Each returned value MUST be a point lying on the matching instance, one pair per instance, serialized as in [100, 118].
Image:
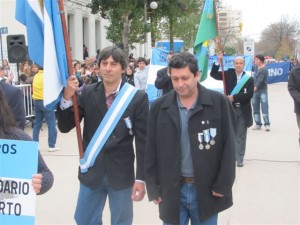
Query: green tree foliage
[172, 18]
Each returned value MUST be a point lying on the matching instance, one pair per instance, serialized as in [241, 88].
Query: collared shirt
[187, 169]
[238, 76]
[64, 104]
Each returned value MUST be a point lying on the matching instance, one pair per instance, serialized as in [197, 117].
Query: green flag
[207, 30]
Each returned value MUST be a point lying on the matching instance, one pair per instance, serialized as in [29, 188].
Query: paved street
[266, 190]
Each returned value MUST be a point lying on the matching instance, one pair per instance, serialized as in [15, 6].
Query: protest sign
[18, 162]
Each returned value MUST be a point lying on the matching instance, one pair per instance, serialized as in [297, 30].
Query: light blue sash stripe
[107, 125]
[240, 84]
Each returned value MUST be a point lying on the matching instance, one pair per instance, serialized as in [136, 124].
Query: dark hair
[116, 53]
[141, 59]
[182, 60]
[260, 57]
[7, 119]
[132, 69]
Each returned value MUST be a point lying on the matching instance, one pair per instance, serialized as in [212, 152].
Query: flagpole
[220, 48]
[69, 60]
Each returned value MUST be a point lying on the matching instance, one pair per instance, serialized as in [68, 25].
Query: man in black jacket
[163, 80]
[190, 150]
[239, 90]
[294, 89]
[110, 170]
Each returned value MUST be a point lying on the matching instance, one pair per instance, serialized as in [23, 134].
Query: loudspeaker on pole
[16, 48]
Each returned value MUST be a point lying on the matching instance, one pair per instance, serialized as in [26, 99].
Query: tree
[172, 18]
[278, 39]
[125, 18]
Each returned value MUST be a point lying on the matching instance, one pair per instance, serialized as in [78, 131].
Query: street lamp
[153, 5]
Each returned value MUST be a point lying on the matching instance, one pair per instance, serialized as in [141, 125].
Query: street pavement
[266, 189]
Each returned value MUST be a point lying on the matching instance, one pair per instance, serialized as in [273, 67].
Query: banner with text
[18, 162]
[278, 72]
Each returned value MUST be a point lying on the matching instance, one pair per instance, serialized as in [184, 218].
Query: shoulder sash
[240, 84]
[107, 125]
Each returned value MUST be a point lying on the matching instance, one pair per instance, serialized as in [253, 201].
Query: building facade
[84, 28]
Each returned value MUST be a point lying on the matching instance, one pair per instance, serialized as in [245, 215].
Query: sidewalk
[266, 189]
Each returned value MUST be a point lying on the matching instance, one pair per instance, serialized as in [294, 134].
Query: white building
[230, 22]
[84, 28]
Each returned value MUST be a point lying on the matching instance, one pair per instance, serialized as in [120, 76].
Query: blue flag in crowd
[45, 44]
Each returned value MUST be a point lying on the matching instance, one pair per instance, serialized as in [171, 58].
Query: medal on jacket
[213, 133]
[200, 139]
[128, 124]
[206, 138]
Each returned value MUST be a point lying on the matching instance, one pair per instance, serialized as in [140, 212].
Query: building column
[78, 37]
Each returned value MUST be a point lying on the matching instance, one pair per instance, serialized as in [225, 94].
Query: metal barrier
[28, 102]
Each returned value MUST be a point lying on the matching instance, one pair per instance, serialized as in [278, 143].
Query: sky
[259, 14]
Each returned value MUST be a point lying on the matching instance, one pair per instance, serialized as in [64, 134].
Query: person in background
[85, 53]
[95, 75]
[163, 80]
[26, 77]
[15, 100]
[41, 182]
[112, 174]
[141, 74]
[34, 69]
[129, 75]
[239, 90]
[4, 77]
[6, 67]
[294, 90]
[41, 113]
[190, 148]
[260, 96]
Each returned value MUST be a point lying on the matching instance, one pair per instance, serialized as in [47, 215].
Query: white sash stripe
[111, 119]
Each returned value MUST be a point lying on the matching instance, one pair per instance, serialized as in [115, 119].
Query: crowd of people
[186, 145]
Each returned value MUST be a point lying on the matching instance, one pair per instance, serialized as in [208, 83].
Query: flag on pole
[46, 44]
[207, 30]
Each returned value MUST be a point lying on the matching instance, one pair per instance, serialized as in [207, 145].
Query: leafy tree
[229, 50]
[125, 18]
[277, 40]
[172, 18]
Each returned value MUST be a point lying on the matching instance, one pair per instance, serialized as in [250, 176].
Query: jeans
[189, 207]
[91, 202]
[40, 113]
[260, 99]
[241, 135]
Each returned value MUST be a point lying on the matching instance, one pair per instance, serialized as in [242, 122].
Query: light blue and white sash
[107, 125]
[240, 84]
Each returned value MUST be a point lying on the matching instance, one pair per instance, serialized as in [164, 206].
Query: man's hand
[157, 200]
[72, 86]
[217, 194]
[138, 191]
[230, 97]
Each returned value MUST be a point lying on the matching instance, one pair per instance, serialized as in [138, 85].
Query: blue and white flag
[46, 44]
[159, 60]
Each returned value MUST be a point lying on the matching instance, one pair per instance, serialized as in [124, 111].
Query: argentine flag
[46, 45]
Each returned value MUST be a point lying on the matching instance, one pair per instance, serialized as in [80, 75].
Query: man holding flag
[239, 87]
[115, 114]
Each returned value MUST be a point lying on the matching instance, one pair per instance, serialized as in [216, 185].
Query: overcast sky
[258, 14]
